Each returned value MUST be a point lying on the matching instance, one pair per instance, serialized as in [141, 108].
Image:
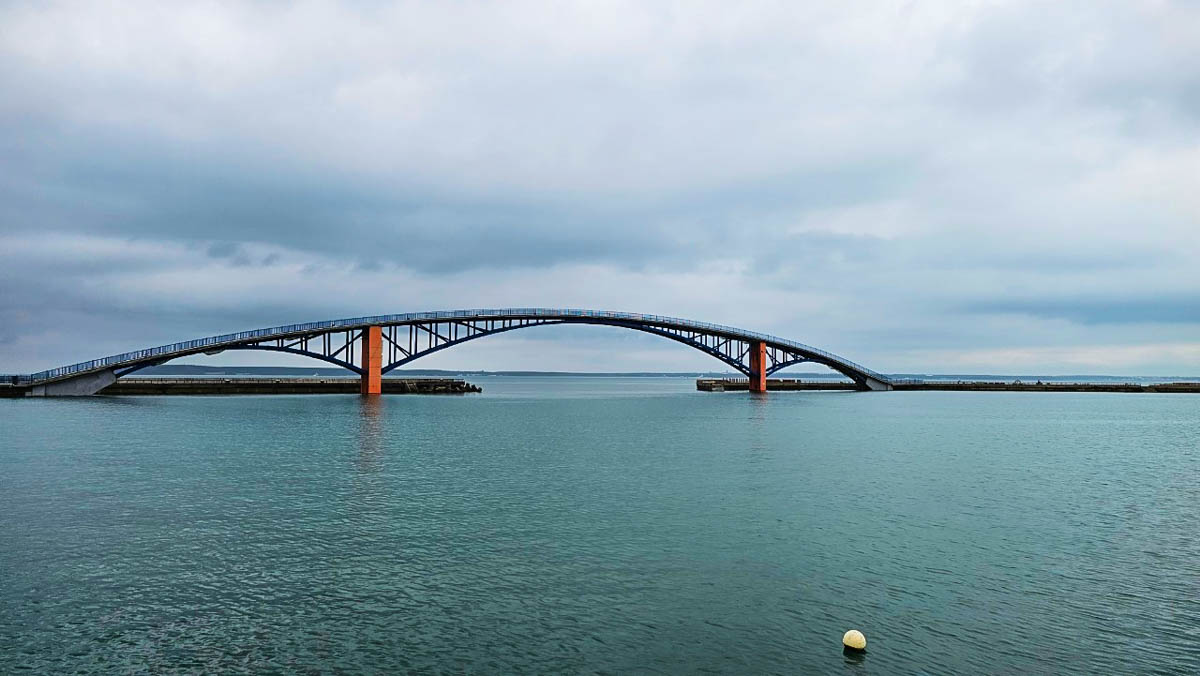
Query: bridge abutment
[80, 386]
[372, 360]
[872, 385]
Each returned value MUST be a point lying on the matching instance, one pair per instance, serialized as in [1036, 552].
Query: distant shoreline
[300, 371]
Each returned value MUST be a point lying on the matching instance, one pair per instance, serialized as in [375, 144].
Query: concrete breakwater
[773, 385]
[160, 386]
[776, 384]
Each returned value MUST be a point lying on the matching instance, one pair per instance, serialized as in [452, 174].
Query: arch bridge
[373, 346]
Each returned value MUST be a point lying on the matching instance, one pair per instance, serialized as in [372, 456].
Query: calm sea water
[602, 525]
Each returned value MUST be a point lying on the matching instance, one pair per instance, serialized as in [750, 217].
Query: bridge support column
[372, 360]
[758, 366]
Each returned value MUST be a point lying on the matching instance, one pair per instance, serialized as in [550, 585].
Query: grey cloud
[1126, 57]
[223, 249]
[159, 192]
[1101, 311]
[164, 195]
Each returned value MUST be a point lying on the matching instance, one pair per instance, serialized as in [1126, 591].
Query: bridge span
[373, 346]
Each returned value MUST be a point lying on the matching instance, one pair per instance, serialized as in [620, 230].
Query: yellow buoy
[854, 640]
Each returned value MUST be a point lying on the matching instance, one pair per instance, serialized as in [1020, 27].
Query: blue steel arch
[303, 353]
[335, 341]
[740, 366]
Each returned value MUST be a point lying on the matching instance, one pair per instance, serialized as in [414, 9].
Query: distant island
[328, 372]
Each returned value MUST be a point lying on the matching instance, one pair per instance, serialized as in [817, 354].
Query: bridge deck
[783, 352]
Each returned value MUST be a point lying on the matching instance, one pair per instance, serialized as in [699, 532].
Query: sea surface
[602, 525]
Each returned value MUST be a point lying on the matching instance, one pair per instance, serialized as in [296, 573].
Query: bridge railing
[224, 340]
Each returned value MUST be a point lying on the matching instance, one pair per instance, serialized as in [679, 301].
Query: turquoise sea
[601, 525]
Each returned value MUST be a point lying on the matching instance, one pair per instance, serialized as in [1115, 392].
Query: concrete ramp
[79, 386]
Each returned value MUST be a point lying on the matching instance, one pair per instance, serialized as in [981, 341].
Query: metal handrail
[228, 339]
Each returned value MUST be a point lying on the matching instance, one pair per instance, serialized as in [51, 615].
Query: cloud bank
[921, 187]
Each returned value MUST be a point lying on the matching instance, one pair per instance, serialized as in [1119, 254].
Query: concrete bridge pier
[372, 361]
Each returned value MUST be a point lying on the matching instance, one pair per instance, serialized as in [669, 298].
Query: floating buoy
[854, 640]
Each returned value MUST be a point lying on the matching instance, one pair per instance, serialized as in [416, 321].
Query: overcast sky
[1008, 187]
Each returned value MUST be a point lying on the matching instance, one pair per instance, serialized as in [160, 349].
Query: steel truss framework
[406, 343]
[410, 337]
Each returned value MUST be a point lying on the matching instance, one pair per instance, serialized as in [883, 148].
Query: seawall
[773, 385]
[192, 386]
[776, 384]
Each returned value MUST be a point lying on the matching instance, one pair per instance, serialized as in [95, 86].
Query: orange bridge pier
[372, 360]
[758, 369]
